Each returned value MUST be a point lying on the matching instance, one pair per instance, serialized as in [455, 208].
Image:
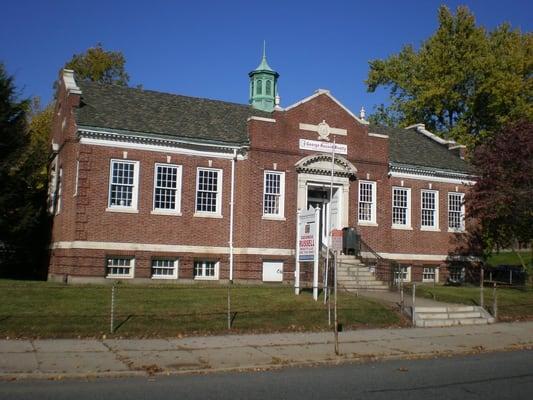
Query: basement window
[120, 267]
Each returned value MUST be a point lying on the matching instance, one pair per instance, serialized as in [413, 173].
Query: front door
[318, 195]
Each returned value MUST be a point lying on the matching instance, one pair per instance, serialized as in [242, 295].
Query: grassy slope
[509, 258]
[45, 309]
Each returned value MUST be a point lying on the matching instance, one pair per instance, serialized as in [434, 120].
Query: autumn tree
[99, 65]
[463, 82]
[501, 200]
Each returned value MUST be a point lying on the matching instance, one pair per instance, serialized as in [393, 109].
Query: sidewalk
[71, 358]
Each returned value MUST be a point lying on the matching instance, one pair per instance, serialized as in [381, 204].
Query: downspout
[231, 214]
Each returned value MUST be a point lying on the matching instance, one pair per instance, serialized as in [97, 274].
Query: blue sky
[206, 48]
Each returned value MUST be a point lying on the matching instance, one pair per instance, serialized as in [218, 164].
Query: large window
[429, 212]
[430, 274]
[205, 270]
[167, 185]
[123, 185]
[402, 274]
[120, 268]
[273, 194]
[367, 202]
[401, 207]
[455, 211]
[208, 190]
[164, 269]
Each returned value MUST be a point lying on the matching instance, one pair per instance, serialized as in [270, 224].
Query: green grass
[513, 304]
[43, 309]
[509, 258]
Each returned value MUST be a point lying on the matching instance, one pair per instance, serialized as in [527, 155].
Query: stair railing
[383, 268]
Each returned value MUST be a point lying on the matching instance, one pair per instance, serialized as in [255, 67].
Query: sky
[206, 48]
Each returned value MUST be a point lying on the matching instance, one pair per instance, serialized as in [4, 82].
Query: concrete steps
[451, 316]
[353, 275]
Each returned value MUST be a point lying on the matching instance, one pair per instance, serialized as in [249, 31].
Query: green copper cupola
[263, 86]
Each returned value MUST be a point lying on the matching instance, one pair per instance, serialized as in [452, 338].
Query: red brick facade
[86, 234]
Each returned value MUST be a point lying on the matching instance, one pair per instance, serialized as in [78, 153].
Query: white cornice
[255, 118]
[70, 82]
[431, 178]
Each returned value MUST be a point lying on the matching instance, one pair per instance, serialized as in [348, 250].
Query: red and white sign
[308, 236]
[336, 239]
[325, 147]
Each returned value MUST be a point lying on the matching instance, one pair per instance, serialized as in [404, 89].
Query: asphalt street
[504, 375]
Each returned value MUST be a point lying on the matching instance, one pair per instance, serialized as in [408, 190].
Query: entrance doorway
[318, 195]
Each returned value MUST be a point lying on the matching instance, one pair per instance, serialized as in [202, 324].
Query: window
[402, 274]
[367, 202]
[206, 270]
[401, 207]
[430, 274]
[76, 181]
[456, 274]
[455, 211]
[123, 185]
[164, 269]
[429, 214]
[167, 185]
[120, 268]
[52, 187]
[208, 188]
[268, 88]
[259, 88]
[273, 194]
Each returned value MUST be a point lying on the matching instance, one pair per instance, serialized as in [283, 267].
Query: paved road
[487, 376]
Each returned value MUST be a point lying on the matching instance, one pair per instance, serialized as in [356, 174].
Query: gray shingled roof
[146, 111]
[407, 146]
[170, 115]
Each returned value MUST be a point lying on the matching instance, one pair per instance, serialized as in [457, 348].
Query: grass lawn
[43, 309]
[509, 258]
[513, 304]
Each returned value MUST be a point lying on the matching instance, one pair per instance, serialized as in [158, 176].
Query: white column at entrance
[315, 269]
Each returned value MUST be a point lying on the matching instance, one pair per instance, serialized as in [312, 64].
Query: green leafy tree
[463, 82]
[99, 65]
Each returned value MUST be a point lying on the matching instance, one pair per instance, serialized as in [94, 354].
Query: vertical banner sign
[308, 239]
[336, 240]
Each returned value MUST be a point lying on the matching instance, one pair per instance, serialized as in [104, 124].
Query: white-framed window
[77, 178]
[204, 269]
[123, 185]
[164, 268]
[456, 211]
[401, 207]
[120, 267]
[429, 213]
[167, 188]
[430, 274]
[456, 274]
[52, 186]
[274, 194]
[208, 191]
[402, 273]
[367, 202]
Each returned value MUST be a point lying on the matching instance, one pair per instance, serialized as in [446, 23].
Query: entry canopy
[320, 164]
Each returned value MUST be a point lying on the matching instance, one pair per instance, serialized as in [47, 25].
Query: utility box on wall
[272, 271]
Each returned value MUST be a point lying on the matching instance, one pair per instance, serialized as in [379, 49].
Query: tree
[99, 65]
[463, 82]
[501, 200]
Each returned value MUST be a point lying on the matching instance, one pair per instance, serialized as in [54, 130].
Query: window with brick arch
[167, 187]
[208, 191]
[123, 184]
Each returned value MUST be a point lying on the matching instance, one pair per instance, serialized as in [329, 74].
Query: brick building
[149, 185]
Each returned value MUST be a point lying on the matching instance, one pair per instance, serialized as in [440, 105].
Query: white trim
[254, 118]
[218, 209]
[314, 128]
[408, 256]
[165, 277]
[163, 212]
[116, 276]
[405, 175]
[422, 129]
[70, 82]
[373, 210]
[160, 149]
[281, 213]
[378, 135]
[327, 93]
[76, 180]
[135, 191]
[436, 272]
[122, 210]
[407, 225]
[177, 201]
[168, 248]
[435, 226]
[204, 277]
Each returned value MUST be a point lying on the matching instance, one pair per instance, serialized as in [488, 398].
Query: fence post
[401, 291]
[414, 301]
[229, 307]
[112, 322]
[510, 276]
[481, 297]
[495, 302]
